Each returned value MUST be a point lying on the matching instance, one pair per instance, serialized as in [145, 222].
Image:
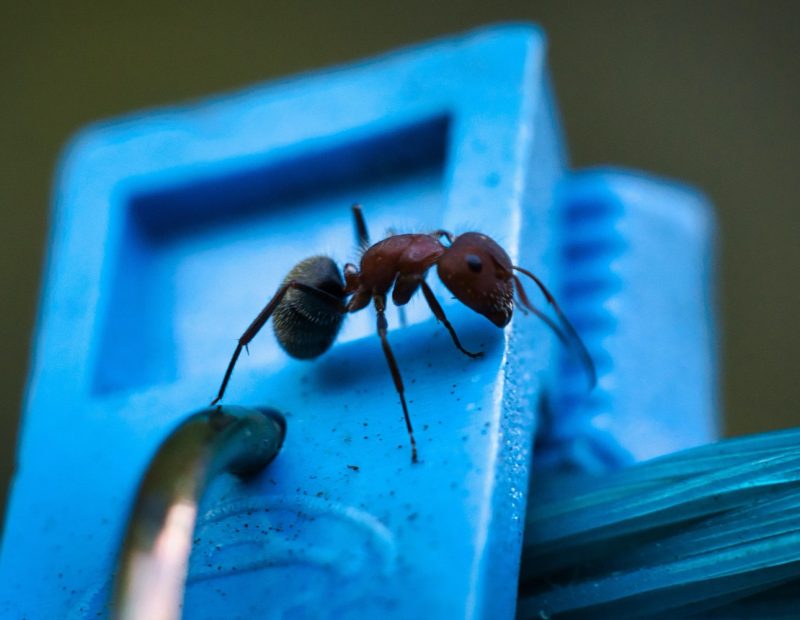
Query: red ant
[308, 308]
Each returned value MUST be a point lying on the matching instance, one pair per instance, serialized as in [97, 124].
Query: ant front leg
[438, 312]
[262, 319]
[380, 308]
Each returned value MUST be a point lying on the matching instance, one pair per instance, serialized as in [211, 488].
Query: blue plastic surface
[172, 228]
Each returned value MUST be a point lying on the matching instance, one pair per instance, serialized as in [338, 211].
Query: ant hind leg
[262, 319]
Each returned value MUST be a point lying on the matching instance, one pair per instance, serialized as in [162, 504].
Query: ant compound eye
[474, 263]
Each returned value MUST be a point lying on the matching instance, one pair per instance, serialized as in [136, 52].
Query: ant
[311, 302]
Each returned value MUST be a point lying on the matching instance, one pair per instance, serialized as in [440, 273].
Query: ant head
[478, 272]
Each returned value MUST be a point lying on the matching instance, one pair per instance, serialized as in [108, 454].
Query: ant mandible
[311, 302]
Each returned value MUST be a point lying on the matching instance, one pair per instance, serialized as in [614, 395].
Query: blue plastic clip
[170, 231]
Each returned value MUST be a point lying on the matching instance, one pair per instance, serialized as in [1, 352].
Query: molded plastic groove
[591, 288]
[591, 243]
[591, 250]
[589, 311]
[636, 266]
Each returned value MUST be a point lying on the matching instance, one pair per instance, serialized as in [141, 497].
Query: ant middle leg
[380, 308]
[438, 312]
[262, 319]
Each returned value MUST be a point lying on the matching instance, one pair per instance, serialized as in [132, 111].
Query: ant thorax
[399, 256]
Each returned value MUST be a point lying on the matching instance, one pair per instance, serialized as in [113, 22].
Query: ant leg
[444, 233]
[438, 312]
[380, 307]
[401, 311]
[362, 234]
[401, 314]
[262, 319]
[583, 353]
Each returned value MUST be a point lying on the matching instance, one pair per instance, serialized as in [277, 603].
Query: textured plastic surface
[172, 228]
[638, 280]
[709, 532]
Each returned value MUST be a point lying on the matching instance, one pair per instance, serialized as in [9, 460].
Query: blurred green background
[704, 92]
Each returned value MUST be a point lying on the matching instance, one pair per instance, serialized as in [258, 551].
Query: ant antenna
[573, 335]
[526, 304]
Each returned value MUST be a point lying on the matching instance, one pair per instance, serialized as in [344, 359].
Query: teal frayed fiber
[709, 532]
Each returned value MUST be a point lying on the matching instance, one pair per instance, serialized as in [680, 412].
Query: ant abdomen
[306, 324]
